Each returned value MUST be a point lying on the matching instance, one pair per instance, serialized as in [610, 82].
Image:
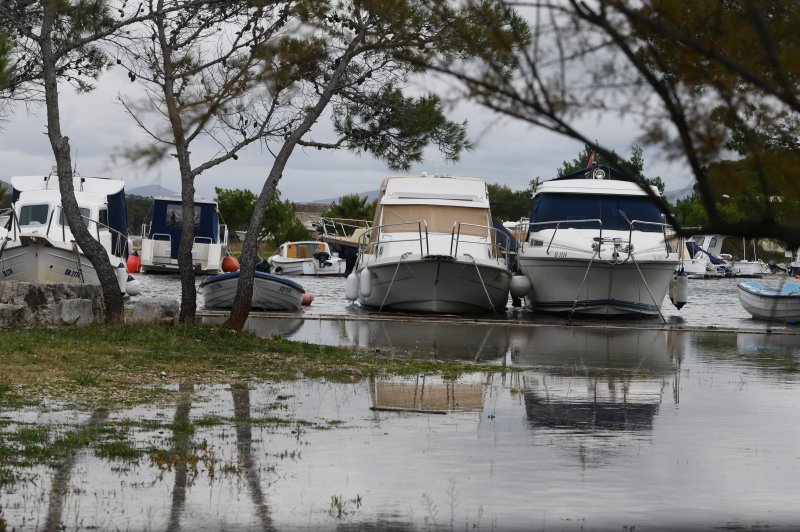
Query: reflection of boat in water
[595, 378]
[426, 394]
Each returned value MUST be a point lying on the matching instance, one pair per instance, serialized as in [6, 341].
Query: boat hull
[437, 285]
[270, 292]
[283, 266]
[769, 304]
[609, 289]
[42, 263]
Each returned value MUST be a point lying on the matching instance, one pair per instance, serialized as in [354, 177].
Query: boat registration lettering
[284, 289]
[6, 272]
[560, 254]
[72, 273]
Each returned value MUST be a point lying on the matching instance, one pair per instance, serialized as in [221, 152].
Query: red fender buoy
[230, 264]
[134, 263]
[307, 299]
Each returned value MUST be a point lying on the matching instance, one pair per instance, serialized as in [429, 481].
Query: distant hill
[151, 191]
[371, 196]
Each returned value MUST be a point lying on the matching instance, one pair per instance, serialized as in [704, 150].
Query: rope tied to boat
[583, 282]
[386, 295]
[658, 308]
[485, 290]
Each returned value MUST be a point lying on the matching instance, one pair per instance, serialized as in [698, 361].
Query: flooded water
[601, 425]
[601, 429]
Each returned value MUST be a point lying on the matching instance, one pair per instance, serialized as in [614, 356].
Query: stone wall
[25, 304]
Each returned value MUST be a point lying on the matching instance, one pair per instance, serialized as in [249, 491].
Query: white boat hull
[270, 292]
[437, 285]
[768, 304]
[609, 289]
[283, 266]
[42, 263]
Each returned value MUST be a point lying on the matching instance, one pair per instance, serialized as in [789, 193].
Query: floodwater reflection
[601, 429]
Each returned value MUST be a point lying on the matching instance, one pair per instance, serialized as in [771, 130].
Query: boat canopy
[438, 218]
[613, 210]
[168, 217]
[303, 250]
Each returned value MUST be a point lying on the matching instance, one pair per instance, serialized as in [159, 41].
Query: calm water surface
[605, 425]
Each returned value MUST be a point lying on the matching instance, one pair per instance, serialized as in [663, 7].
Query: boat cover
[166, 221]
[757, 288]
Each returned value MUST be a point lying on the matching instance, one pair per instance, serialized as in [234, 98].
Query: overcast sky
[507, 152]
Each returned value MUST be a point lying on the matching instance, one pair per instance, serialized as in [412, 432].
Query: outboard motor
[322, 258]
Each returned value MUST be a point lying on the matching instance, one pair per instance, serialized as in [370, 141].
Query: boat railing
[491, 236]
[14, 230]
[663, 226]
[341, 226]
[367, 245]
[525, 227]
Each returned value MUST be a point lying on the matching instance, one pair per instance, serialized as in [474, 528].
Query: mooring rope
[658, 307]
[580, 289]
[485, 291]
[402, 257]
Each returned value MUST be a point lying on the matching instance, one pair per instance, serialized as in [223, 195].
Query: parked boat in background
[270, 292]
[708, 249]
[162, 237]
[773, 304]
[306, 258]
[596, 246]
[432, 248]
[342, 235]
[38, 245]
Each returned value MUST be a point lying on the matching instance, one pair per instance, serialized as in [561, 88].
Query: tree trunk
[94, 251]
[185, 263]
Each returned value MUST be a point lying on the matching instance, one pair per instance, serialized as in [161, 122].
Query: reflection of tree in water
[60, 486]
[182, 443]
[244, 441]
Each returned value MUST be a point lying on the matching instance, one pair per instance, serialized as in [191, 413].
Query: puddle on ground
[601, 429]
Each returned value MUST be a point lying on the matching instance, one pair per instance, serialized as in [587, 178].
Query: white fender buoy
[351, 287]
[679, 289]
[133, 287]
[519, 286]
[365, 283]
[122, 277]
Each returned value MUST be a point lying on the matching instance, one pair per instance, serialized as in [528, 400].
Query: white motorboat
[306, 258]
[37, 244]
[270, 292]
[432, 248]
[162, 237]
[596, 246]
[774, 304]
[708, 250]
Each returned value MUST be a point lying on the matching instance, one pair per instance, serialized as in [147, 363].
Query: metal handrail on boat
[333, 227]
[455, 238]
[363, 243]
[644, 222]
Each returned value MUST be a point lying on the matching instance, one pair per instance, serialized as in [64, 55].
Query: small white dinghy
[774, 304]
[270, 292]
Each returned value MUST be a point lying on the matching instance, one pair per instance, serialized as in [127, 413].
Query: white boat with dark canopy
[162, 237]
[596, 246]
[781, 303]
[37, 244]
[270, 292]
[432, 248]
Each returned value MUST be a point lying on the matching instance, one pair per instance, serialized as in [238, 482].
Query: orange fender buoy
[230, 264]
[307, 299]
[134, 263]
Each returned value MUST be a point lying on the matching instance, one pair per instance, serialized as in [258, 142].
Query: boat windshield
[87, 221]
[33, 214]
[611, 209]
[438, 219]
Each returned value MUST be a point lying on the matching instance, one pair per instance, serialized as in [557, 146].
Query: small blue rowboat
[774, 304]
[270, 292]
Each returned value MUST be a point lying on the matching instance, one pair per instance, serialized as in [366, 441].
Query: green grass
[104, 365]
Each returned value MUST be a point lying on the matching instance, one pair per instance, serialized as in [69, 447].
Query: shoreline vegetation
[104, 366]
